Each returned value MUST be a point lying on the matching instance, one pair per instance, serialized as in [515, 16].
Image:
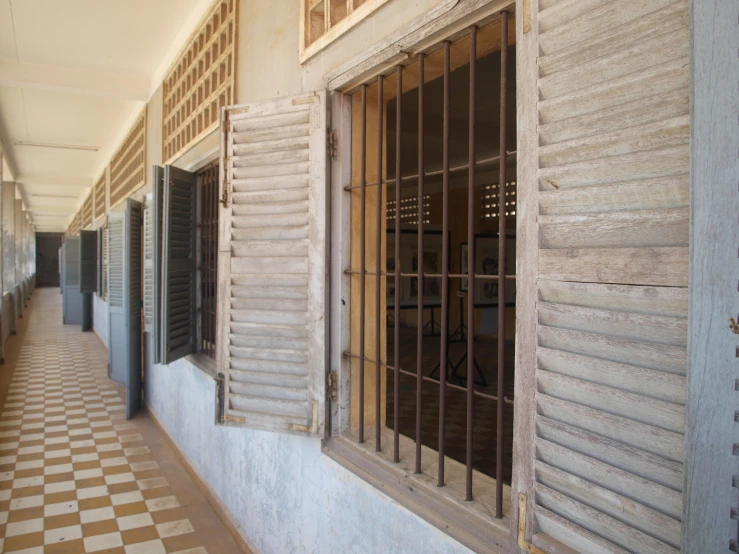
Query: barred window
[208, 258]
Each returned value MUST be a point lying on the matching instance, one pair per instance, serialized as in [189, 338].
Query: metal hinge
[332, 386]
[333, 145]
[220, 397]
[224, 186]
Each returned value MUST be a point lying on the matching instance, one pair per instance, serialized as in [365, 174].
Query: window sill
[470, 523]
[204, 363]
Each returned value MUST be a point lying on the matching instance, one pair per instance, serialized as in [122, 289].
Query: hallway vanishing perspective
[75, 476]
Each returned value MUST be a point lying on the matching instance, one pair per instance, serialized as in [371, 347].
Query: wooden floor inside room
[75, 476]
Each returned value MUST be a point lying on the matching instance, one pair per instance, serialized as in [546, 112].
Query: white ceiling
[76, 73]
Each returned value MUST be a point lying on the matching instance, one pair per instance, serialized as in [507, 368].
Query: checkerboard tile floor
[75, 476]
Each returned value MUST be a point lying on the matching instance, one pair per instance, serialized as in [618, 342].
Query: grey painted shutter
[179, 277]
[602, 295]
[88, 261]
[272, 265]
[72, 303]
[148, 265]
[124, 306]
[99, 267]
[104, 264]
[153, 261]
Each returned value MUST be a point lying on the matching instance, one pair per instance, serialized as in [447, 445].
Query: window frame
[333, 32]
[203, 362]
[461, 520]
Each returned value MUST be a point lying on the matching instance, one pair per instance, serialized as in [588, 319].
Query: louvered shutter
[88, 261]
[179, 277]
[272, 266]
[602, 291]
[124, 306]
[105, 261]
[99, 265]
[72, 302]
[153, 261]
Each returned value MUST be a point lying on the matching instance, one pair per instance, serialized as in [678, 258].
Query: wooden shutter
[105, 261]
[153, 261]
[72, 262]
[124, 307]
[99, 266]
[602, 285]
[116, 223]
[88, 261]
[179, 270]
[272, 266]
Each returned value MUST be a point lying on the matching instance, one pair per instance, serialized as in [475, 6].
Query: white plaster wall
[100, 318]
[286, 495]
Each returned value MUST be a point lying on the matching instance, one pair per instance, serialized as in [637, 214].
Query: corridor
[75, 476]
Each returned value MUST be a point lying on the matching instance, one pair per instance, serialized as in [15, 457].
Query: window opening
[208, 259]
[433, 283]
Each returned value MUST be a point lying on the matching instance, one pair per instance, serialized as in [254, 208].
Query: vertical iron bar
[396, 317]
[205, 263]
[443, 355]
[419, 331]
[471, 259]
[378, 264]
[362, 269]
[502, 263]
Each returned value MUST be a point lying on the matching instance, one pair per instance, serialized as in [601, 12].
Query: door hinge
[333, 145]
[332, 386]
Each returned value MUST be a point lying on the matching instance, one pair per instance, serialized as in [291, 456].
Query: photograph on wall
[430, 262]
[487, 262]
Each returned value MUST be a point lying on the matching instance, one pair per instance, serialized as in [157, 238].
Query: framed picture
[487, 262]
[463, 263]
[410, 262]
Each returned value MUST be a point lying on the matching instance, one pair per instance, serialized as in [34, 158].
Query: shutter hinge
[332, 386]
[333, 145]
[523, 544]
[224, 194]
[220, 398]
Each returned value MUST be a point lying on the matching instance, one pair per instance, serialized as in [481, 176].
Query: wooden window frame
[332, 32]
[466, 522]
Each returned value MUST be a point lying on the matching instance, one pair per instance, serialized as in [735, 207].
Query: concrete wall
[284, 493]
[100, 318]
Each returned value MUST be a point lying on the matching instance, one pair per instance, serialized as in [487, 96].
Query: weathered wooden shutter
[272, 266]
[179, 277]
[153, 261]
[99, 265]
[602, 285]
[88, 261]
[124, 306]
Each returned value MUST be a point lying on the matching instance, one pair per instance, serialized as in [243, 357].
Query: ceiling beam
[78, 80]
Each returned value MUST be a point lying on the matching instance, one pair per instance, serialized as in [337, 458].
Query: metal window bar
[471, 167]
[208, 259]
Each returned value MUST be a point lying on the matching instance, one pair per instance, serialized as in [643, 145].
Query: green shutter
[179, 283]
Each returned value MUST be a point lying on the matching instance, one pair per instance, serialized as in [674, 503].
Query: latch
[734, 326]
[332, 386]
[333, 145]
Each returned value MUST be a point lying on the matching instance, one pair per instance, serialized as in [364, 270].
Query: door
[124, 302]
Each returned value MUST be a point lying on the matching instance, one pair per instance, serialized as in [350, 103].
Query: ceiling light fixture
[62, 146]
